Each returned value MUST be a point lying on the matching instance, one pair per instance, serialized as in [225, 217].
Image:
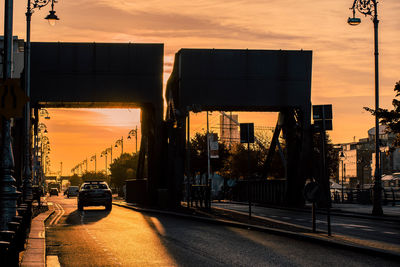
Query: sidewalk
[239, 219]
[35, 252]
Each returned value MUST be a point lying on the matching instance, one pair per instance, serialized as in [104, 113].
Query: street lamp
[133, 132]
[342, 157]
[120, 142]
[27, 171]
[44, 113]
[370, 8]
[95, 161]
[42, 127]
[104, 153]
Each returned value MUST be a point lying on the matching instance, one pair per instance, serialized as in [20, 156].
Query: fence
[365, 196]
[261, 191]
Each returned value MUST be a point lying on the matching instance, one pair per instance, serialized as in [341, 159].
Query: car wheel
[108, 206]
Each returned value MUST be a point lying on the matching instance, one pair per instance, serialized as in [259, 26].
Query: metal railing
[364, 196]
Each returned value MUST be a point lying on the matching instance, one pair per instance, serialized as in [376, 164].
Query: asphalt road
[124, 237]
[384, 231]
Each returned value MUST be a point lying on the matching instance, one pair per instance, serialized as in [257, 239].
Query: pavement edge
[42, 261]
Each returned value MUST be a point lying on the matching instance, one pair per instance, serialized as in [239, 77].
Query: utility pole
[208, 184]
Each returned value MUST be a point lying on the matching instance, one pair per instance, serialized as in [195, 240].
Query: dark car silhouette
[94, 193]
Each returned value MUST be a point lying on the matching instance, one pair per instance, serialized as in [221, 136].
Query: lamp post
[104, 153]
[133, 133]
[27, 171]
[39, 128]
[342, 156]
[120, 142]
[44, 113]
[370, 8]
[95, 162]
[86, 165]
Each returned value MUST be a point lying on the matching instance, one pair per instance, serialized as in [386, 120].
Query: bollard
[394, 198]
[4, 246]
[12, 253]
[19, 235]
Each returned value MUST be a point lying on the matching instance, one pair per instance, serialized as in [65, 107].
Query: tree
[123, 168]
[94, 176]
[75, 180]
[390, 118]
[198, 155]
[332, 157]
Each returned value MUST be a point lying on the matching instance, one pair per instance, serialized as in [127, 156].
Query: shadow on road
[86, 217]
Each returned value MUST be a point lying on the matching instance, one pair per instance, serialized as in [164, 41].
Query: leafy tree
[94, 176]
[332, 157]
[75, 180]
[123, 168]
[198, 155]
[391, 118]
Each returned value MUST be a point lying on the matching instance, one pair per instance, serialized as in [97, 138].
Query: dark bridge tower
[296, 131]
[105, 75]
[244, 80]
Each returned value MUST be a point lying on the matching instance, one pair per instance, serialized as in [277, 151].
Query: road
[125, 237]
[384, 231]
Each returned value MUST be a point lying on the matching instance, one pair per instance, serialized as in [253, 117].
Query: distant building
[354, 165]
[17, 57]
[229, 129]
[357, 166]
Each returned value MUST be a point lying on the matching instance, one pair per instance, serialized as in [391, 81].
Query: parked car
[72, 191]
[53, 191]
[94, 193]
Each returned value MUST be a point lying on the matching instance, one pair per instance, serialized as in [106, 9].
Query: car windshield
[95, 186]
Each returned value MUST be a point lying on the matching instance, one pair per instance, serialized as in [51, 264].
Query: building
[355, 163]
[17, 57]
[357, 159]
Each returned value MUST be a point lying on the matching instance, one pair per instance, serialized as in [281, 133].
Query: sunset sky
[343, 66]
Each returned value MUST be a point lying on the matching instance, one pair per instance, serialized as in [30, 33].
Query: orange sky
[343, 66]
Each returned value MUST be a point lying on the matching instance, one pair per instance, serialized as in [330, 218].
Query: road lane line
[52, 261]
[61, 214]
[58, 212]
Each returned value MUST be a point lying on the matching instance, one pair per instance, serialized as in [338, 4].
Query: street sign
[213, 146]
[318, 125]
[320, 110]
[247, 133]
[312, 191]
[12, 98]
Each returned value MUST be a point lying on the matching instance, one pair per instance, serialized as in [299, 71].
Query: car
[94, 193]
[53, 191]
[72, 191]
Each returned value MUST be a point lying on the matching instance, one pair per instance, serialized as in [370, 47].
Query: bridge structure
[244, 80]
[105, 75]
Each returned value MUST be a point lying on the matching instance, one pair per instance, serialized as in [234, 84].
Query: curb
[29, 263]
[298, 236]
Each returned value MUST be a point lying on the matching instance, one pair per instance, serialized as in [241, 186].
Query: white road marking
[58, 211]
[52, 261]
[41, 234]
[61, 214]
